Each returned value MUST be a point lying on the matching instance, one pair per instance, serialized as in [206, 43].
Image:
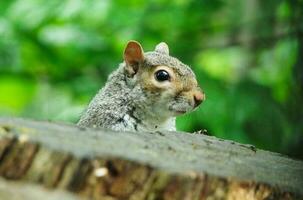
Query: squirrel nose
[198, 98]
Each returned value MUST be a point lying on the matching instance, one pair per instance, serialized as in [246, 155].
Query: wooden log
[12, 190]
[103, 164]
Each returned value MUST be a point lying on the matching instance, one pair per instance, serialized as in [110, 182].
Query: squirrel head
[169, 85]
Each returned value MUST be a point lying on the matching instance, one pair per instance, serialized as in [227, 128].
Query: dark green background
[55, 55]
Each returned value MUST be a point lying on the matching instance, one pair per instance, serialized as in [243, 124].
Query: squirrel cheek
[163, 86]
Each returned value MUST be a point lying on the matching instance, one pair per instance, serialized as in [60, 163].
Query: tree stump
[60, 161]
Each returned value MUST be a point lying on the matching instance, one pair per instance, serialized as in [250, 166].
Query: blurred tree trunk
[100, 164]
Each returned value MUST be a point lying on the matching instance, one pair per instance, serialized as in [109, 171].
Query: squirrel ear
[133, 55]
[162, 48]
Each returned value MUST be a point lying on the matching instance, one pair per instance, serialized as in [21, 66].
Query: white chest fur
[129, 123]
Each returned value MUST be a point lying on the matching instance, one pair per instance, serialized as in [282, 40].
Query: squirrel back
[145, 93]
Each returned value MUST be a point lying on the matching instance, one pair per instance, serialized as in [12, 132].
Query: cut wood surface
[12, 190]
[103, 164]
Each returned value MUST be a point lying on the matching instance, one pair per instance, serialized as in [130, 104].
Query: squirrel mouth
[178, 112]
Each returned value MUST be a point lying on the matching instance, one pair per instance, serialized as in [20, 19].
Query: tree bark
[58, 159]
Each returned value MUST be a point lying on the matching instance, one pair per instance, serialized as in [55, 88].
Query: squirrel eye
[162, 75]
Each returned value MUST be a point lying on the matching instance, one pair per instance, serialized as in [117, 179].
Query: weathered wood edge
[13, 190]
[41, 132]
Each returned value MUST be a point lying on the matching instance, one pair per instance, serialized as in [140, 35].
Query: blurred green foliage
[55, 55]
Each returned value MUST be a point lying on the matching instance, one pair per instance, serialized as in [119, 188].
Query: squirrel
[145, 93]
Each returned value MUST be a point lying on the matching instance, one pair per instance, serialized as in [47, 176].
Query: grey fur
[122, 104]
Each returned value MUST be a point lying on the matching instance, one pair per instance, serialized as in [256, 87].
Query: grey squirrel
[145, 93]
